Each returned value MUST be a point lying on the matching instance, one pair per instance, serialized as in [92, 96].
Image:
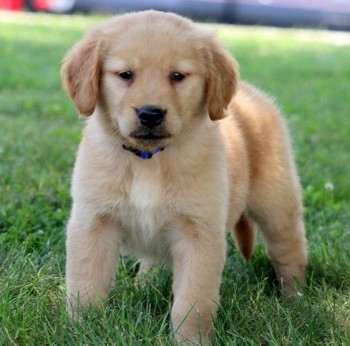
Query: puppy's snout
[150, 116]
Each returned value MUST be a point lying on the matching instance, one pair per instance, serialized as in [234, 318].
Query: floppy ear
[222, 80]
[80, 72]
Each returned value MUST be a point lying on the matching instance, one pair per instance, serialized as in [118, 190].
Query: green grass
[308, 72]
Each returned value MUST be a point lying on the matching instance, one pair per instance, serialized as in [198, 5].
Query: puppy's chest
[144, 212]
[145, 191]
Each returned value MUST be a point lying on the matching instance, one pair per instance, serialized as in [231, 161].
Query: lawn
[307, 71]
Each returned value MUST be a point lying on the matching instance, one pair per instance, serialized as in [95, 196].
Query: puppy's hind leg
[277, 207]
[146, 266]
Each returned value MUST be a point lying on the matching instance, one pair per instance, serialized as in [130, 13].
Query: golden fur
[216, 173]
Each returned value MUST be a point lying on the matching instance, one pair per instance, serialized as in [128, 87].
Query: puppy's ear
[222, 79]
[80, 72]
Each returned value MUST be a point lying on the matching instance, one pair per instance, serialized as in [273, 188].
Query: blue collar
[145, 155]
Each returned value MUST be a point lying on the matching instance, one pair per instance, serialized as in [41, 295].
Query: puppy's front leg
[92, 254]
[198, 259]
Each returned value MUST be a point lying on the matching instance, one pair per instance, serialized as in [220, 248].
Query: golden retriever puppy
[175, 152]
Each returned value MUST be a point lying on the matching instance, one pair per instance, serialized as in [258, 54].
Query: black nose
[150, 116]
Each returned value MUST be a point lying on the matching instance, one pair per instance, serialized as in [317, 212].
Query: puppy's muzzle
[150, 116]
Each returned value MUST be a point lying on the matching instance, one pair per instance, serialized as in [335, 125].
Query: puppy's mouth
[149, 137]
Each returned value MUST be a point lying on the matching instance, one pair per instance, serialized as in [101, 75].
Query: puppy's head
[151, 75]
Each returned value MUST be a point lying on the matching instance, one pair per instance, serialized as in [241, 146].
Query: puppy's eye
[127, 75]
[177, 77]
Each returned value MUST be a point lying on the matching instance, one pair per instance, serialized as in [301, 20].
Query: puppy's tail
[244, 234]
